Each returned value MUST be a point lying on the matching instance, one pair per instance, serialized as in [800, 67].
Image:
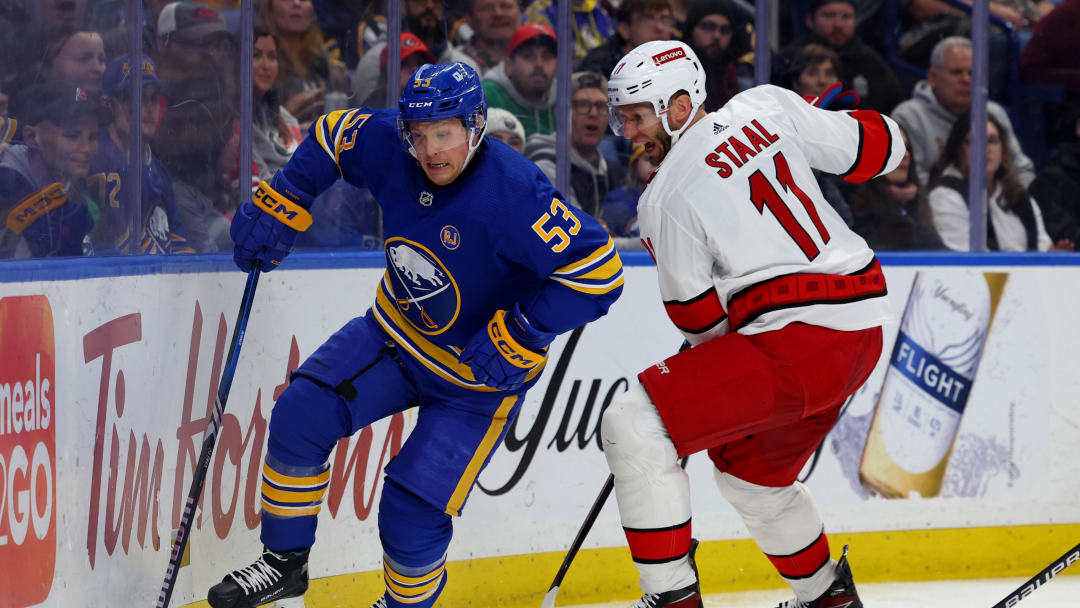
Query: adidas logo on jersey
[718, 128]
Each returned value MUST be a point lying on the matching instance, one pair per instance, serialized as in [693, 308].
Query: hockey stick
[1071, 556]
[209, 439]
[583, 531]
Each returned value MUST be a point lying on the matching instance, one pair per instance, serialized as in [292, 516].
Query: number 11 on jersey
[763, 194]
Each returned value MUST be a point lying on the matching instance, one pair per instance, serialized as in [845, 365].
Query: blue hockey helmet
[441, 91]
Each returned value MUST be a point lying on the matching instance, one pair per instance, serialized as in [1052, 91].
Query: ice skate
[380, 603]
[272, 577]
[687, 597]
[841, 594]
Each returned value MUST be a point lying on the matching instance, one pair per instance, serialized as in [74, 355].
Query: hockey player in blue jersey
[485, 266]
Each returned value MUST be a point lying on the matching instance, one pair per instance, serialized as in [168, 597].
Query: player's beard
[663, 146]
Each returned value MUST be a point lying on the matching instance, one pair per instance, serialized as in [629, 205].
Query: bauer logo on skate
[27, 450]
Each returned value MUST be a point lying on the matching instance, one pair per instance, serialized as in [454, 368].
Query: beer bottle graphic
[931, 371]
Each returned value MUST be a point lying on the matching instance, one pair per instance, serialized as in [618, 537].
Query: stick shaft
[209, 440]
[1071, 556]
[583, 531]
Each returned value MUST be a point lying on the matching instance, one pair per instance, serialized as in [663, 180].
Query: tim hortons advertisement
[968, 420]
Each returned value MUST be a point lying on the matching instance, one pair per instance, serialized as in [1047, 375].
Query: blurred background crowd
[69, 185]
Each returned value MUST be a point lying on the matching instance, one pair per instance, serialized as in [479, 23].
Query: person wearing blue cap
[161, 230]
[486, 265]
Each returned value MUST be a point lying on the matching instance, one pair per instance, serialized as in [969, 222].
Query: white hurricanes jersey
[734, 208]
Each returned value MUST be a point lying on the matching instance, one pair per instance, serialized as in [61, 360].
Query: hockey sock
[785, 523]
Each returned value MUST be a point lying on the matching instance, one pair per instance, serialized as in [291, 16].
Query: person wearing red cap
[524, 83]
[414, 53]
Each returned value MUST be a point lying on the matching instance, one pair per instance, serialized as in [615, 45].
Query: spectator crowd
[66, 109]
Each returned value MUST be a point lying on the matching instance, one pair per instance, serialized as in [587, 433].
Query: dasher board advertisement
[969, 419]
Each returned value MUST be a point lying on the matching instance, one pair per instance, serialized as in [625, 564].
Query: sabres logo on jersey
[423, 289]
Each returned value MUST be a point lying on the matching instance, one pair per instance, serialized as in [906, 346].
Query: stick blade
[549, 599]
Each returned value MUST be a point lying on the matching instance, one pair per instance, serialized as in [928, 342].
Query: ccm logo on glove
[286, 211]
[513, 352]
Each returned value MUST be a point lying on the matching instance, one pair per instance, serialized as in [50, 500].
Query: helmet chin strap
[677, 133]
[472, 148]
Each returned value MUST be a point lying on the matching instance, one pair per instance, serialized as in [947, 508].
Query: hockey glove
[503, 353]
[836, 98]
[264, 230]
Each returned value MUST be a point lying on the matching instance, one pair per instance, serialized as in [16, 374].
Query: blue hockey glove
[503, 353]
[264, 230]
[836, 98]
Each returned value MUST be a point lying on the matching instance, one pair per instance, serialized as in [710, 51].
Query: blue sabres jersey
[162, 231]
[500, 234]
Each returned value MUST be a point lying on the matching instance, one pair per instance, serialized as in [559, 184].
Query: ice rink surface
[1060, 592]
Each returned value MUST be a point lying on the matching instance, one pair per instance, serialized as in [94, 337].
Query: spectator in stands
[638, 22]
[193, 47]
[930, 21]
[42, 181]
[812, 69]
[715, 31]
[832, 23]
[1015, 220]
[76, 60]
[116, 37]
[591, 176]
[1051, 57]
[276, 133]
[493, 22]
[60, 17]
[414, 53]
[944, 95]
[591, 23]
[892, 211]
[1057, 186]
[161, 230]
[524, 83]
[425, 18]
[505, 127]
[307, 71]
[619, 211]
[203, 160]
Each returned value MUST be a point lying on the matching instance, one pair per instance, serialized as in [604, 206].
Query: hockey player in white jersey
[782, 303]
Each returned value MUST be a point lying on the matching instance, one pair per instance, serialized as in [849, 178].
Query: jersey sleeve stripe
[588, 261]
[592, 288]
[609, 269]
[697, 315]
[323, 137]
[339, 133]
[875, 143]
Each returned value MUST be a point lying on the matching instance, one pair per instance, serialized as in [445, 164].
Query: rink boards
[108, 369]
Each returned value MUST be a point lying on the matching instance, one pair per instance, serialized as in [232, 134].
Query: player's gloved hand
[836, 98]
[263, 231]
[503, 353]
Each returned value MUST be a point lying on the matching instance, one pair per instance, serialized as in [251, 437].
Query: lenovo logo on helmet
[419, 104]
[666, 56]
